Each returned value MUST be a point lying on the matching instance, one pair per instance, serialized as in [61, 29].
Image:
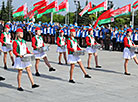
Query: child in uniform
[37, 43]
[61, 42]
[6, 39]
[91, 41]
[20, 49]
[73, 47]
[127, 53]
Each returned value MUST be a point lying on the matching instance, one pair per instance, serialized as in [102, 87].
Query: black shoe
[12, 64]
[37, 74]
[66, 63]
[1, 78]
[5, 67]
[87, 76]
[35, 86]
[52, 69]
[89, 68]
[60, 63]
[20, 89]
[71, 81]
[98, 66]
[127, 73]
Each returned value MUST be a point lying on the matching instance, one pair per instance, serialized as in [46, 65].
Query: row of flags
[43, 7]
[40, 8]
[109, 15]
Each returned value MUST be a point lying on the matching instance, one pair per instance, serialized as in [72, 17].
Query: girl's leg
[71, 71]
[46, 62]
[136, 60]
[89, 60]
[19, 78]
[125, 65]
[65, 58]
[60, 55]
[30, 75]
[5, 60]
[82, 67]
[36, 65]
[11, 55]
[96, 59]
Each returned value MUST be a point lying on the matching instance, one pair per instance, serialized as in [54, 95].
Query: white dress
[90, 49]
[127, 54]
[18, 64]
[71, 58]
[59, 49]
[37, 54]
[8, 39]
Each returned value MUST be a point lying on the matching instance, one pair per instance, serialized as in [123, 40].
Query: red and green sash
[90, 37]
[18, 45]
[5, 35]
[61, 39]
[72, 40]
[39, 37]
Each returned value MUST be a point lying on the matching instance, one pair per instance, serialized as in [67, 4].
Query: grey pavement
[106, 85]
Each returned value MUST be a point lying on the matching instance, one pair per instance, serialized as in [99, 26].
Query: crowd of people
[111, 38]
[67, 37]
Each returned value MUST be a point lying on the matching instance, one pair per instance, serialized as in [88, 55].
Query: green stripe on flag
[61, 10]
[108, 20]
[122, 14]
[96, 10]
[18, 14]
[47, 11]
[135, 5]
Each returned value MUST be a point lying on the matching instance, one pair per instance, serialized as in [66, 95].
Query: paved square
[106, 85]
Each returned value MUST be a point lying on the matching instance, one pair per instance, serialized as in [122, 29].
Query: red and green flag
[98, 8]
[106, 17]
[85, 9]
[121, 11]
[135, 5]
[52, 7]
[21, 11]
[39, 3]
[63, 6]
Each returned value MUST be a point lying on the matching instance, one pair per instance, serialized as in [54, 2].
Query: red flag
[40, 6]
[39, 3]
[50, 6]
[121, 11]
[85, 9]
[105, 15]
[135, 5]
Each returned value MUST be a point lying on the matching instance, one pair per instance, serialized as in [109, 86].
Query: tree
[3, 12]
[9, 10]
[58, 18]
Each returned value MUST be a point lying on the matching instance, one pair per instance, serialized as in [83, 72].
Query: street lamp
[76, 2]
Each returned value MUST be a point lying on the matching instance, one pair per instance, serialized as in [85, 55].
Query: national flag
[63, 6]
[121, 11]
[135, 5]
[106, 17]
[52, 7]
[98, 8]
[21, 11]
[85, 9]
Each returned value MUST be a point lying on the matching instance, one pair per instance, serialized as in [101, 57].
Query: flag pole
[51, 17]
[133, 18]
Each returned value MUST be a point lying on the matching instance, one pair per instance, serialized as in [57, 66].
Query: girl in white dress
[61, 42]
[19, 50]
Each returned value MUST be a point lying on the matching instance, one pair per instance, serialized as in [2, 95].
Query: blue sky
[118, 3]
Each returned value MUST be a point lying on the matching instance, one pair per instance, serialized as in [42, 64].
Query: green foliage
[58, 18]
[6, 12]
